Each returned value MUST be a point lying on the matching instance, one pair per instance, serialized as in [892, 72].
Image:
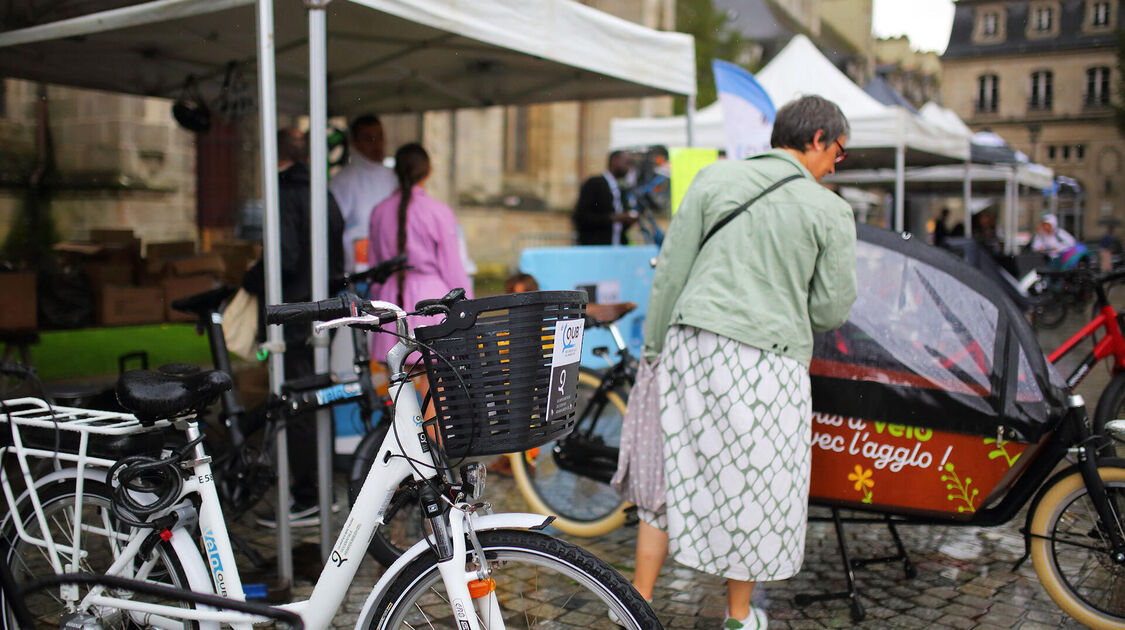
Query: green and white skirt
[737, 426]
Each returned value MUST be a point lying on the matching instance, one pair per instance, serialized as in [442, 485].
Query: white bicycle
[133, 496]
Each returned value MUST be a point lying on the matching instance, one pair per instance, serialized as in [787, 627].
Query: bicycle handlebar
[308, 312]
[380, 273]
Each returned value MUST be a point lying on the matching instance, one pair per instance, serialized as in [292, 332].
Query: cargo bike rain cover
[926, 397]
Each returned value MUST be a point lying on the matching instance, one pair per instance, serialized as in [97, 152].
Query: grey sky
[925, 22]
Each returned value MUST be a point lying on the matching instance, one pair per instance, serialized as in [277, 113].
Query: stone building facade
[121, 162]
[1043, 74]
[916, 75]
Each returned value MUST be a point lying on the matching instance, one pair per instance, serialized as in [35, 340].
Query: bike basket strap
[503, 349]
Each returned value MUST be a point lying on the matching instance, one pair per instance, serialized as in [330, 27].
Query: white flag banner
[748, 112]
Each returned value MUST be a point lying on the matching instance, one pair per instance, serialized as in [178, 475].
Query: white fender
[507, 520]
[197, 571]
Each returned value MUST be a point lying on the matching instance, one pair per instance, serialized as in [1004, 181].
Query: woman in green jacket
[730, 323]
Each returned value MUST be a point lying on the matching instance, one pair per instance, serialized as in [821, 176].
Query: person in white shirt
[360, 186]
[1050, 239]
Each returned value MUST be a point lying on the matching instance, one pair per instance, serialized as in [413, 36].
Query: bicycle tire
[573, 584]
[581, 506]
[1048, 315]
[1111, 406]
[1064, 543]
[54, 499]
[403, 519]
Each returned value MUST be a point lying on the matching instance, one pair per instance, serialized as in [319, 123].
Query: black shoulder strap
[739, 210]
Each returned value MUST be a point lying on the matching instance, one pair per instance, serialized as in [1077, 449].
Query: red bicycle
[1111, 404]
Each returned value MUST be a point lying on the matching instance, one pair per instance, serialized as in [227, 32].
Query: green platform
[92, 352]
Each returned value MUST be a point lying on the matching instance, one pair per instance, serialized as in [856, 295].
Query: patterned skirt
[737, 430]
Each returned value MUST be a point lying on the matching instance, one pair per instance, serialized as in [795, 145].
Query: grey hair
[796, 124]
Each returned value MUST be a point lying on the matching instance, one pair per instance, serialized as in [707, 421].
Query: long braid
[412, 165]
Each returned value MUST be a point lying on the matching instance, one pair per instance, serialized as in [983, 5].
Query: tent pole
[271, 251]
[690, 119]
[1009, 238]
[318, 228]
[1015, 205]
[900, 187]
[968, 195]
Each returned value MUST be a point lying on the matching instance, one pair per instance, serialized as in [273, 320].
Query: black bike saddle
[152, 395]
[201, 304]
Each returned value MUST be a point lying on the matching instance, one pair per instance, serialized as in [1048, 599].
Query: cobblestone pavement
[964, 574]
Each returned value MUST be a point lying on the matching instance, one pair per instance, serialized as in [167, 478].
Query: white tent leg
[318, 237]
[271, 251]
[690, 119]
[1015, 205]
[900, 187]
[967, 193]
[1009, 198]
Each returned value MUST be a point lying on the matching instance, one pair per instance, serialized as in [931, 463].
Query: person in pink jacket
[425, 229]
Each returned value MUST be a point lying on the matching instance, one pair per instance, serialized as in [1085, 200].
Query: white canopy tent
[881, 136]
[347, 57]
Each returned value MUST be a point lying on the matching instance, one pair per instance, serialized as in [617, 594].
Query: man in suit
[601, 215]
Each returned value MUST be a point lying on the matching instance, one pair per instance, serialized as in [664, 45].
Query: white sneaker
[756, 620]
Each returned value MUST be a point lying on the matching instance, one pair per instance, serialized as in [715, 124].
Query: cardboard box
[18, 308]
[170, 250]
[176, 287]
[121, 305]
[238, 256]
[113, 236]
[203, 263]
[103, 273]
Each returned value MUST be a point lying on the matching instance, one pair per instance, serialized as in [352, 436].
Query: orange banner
[903, 468]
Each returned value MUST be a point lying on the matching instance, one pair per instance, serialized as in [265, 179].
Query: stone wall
[122, 162]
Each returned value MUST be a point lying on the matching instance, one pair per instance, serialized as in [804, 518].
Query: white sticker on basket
[562, 398]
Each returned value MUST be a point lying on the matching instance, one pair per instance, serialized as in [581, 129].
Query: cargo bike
[934, 404]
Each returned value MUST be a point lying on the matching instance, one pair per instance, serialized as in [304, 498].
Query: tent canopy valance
[949, 180]
[383, 55]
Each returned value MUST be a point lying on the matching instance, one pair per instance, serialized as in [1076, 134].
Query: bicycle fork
[467, 603]
[1107, 511]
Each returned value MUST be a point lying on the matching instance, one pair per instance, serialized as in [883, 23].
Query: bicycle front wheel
[541, 582]
[1072, 555]
[582, 504]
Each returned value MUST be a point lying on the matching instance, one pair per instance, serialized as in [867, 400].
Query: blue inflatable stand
[615, 273]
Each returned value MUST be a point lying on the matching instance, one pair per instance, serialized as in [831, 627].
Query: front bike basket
[503, 371]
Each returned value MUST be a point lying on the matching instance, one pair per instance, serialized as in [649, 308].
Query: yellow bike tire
[583, 528]
[1061, 496]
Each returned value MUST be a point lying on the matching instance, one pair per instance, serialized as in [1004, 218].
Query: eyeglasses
[842, 155]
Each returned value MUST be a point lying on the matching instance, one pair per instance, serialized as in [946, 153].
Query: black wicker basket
[501, 348]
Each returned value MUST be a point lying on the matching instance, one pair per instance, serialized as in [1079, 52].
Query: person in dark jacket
[601, 215]
[296, 286]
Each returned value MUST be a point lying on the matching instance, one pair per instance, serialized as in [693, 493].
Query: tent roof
[798, 70]
[383, 55]
[949, 179]
[880, 90]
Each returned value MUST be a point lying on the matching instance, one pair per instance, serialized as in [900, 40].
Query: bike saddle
[202, 304]
[152, 395]
[605, 314]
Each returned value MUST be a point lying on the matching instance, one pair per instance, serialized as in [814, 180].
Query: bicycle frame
[405, 452]
[1112, 344]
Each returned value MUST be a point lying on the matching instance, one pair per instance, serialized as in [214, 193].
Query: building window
[516, 141]
[1043, 19]
[1066, 152]
[1099, 14]
[1079, 151]
[1097, 87]
[988, 93]
[1042, 90]
[990, 24]
[1052, 151]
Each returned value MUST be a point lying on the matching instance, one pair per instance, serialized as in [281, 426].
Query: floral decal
[961, 488]
[863, 482]
[1001, 450]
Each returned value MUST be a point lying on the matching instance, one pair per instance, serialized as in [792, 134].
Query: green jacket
[770, 277]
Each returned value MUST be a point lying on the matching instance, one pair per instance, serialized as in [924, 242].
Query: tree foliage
[715, 38]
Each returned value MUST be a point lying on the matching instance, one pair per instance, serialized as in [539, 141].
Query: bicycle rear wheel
[100, 543]
[541, 582]
[1072, 555]
[582, 504]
